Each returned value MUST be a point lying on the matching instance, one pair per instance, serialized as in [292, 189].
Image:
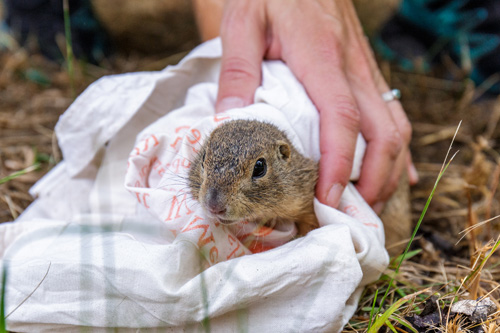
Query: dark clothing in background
[43, 20]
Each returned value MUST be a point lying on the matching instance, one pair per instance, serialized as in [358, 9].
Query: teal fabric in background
[423, 30]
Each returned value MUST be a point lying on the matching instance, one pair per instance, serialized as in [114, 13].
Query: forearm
[208, 14]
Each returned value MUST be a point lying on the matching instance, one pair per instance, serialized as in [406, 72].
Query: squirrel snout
[215, 202]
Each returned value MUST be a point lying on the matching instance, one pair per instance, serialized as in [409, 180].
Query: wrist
[208, 15]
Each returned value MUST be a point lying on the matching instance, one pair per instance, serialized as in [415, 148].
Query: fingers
[330, 56]
[339, 127]
[243, 43]
[412, 171]
[384, 125]
[315, 55]
[382, 165]
[388, 133]
[341, 77]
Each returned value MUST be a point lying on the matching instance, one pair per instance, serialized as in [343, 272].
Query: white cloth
[114, 240]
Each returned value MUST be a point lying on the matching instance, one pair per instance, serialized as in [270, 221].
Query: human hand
[323, 44]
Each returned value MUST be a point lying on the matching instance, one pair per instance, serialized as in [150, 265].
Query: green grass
[40, 158]
[16, 174]
[3, 325]
[69, 47]
[383, 319]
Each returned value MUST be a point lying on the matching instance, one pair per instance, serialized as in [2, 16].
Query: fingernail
[230, 103]
[378, 207]
[413, 174]
[334, 194]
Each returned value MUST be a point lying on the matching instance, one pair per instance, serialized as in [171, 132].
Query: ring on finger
[391, 95]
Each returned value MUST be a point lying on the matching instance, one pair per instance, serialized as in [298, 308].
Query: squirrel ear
[284, 150]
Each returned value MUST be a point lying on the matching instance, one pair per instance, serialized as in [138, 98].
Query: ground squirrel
[248, 170]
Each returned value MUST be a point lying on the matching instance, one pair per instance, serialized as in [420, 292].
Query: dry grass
[33, 94]
[452, 264]
[458, 239]
[28, 113]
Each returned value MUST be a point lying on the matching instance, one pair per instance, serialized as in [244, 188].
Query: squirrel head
[241, 172]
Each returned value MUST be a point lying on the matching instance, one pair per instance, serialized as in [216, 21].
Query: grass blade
[383, 318]
[3, 324]
[405, 324]
[372, 312]
[19, 173]
[444, 167]
[69, 46]
[483, 262]
[391, 327]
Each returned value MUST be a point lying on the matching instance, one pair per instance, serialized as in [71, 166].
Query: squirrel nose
[217, 210]
[215, 202]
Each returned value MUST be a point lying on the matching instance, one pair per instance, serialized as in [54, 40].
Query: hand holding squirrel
[323, 44]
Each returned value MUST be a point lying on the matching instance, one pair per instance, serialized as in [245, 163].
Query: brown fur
[222, 175]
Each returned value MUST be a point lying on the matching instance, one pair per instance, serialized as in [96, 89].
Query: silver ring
[391, 95]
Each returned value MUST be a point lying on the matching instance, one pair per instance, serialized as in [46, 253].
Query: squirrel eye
[260, 168]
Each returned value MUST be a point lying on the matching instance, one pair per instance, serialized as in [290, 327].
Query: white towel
[115, 240]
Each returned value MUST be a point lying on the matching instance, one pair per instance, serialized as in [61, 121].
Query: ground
[451, 264]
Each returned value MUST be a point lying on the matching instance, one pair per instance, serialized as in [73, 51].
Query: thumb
[243, 47]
